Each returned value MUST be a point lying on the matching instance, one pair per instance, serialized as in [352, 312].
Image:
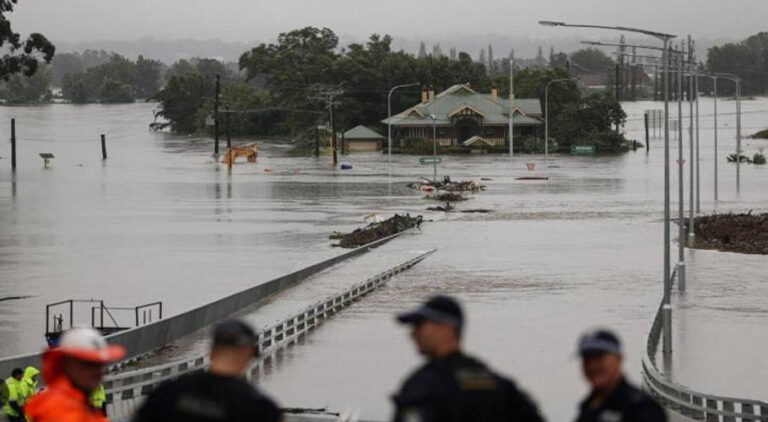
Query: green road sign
[430, 160]
[582, 150]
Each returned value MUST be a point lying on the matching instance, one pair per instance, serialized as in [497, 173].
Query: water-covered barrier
[141, 340]
[125, 390]
[690, 403]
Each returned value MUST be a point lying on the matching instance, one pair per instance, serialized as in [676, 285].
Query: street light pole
[546, 115]
[738, 135]
[714, 95]
[691, 198]
[698, 161]
[389, 120]
[680, 184]
[434, 146]
[511, 108]
[665, 38]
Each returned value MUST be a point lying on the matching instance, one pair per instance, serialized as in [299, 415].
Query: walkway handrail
[139, 341]
[690, 403]
[128, 386]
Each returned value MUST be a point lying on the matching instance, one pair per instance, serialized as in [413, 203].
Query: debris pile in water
[744, 233]
[447, 185]
[376, 231]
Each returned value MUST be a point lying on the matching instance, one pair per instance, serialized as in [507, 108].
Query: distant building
[360, 138]
[464, 117]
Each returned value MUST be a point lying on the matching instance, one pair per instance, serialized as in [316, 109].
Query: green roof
[362, 132]
[457, 97]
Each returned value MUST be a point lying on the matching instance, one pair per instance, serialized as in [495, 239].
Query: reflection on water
[159, 220]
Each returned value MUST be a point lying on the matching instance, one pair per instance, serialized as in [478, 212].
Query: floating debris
[743, 233]
[477, 211]
[742, 158]
[447, 185]
[447, 207]
[376, 231]
[532, 178]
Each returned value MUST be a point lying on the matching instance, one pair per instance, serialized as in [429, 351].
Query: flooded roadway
[159, 221]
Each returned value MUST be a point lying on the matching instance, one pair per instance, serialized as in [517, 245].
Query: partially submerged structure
[464, 117]
[361, 138]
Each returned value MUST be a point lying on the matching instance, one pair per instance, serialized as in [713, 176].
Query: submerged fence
[690, 403]
[125, 390]
[144, 339]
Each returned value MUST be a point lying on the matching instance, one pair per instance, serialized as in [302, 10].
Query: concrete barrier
[126, 390]
[144, 339]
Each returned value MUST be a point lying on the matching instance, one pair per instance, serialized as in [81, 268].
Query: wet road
[159, 221]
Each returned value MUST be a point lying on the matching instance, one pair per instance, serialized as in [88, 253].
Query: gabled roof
[459, 97]
[477, 140]
[362, 132]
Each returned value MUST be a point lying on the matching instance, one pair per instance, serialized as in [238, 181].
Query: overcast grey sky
[249, 20]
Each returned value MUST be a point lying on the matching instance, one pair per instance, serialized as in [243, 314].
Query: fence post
[103, 147]
[13, 144]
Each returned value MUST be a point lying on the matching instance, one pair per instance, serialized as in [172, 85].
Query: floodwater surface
[160, 221]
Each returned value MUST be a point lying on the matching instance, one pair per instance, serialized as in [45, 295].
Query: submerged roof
[461, 98]
[362, 132]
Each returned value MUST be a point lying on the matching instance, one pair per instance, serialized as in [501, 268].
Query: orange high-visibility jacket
[60, 401]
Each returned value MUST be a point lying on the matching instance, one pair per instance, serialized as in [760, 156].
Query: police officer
[451, 386]
[220, 393]
[612, 399]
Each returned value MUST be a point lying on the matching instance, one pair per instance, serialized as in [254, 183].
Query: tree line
[276, 89]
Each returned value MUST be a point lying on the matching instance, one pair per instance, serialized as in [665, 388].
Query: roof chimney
[494, 92]
[431, 93]
[424, 94]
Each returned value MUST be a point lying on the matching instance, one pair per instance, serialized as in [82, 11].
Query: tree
[591, 60]
[481, 58]
[21, 56]
[747, 59]
[491, 63]
[422, 50]
[20, 89]
[590, 121]
[540, 60]
[559, 61]
[76, 89]
[113, 91]
[181, 102]
[148, 74]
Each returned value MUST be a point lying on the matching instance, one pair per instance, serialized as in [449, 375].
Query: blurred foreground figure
[219, 394]
[72, 371]
[12, 397]
[612, 398]
[451, 386]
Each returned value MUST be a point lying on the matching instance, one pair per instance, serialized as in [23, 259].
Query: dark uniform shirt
[205, 397]
[459, 388]
[626, 404]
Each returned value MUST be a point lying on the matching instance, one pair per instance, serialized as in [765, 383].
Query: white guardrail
[689, 403]
[124, 390]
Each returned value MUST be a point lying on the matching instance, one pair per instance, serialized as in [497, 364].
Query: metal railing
[124, 390]
[690, 403]
[139, 341]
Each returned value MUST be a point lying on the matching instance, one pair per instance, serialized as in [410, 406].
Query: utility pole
[216, 117]
[698, 162]
[333, 134]
[714, 96]
[229, 134]
[328, 97]
[317, 141]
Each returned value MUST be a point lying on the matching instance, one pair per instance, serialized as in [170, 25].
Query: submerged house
[464, 117]
[360, 138]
